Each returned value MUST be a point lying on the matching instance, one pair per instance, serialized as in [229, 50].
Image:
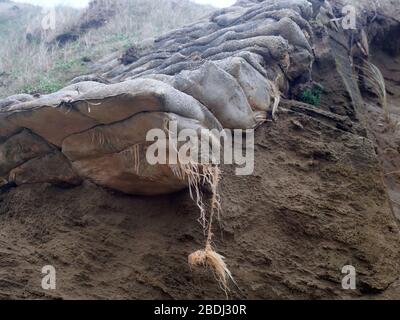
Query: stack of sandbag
[227, 71]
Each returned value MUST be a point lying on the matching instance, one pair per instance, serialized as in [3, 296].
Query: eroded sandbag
[83, 86]
[220, 92]
[20, 148]
[118, 171]
[113, 138]
[7, 128]
[50, 122]
[50, 168]
[256, 87]
[114, 155]
[116, 102]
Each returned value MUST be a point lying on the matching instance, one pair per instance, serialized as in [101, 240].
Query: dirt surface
[315, 203]
[387, 136]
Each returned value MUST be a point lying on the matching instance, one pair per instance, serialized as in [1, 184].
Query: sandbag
[52, 168]
[256, 87]
[220, 92]
[20, 148]
[117, 102]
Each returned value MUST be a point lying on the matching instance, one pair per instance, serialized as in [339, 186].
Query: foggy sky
[82, 3]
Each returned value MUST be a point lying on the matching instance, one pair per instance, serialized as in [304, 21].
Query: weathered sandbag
[120, 101]
[82, 86]
[118, 171]
[89, 78]
[228, 16]
[7, 102]
[302, 7]
[50, 168]
[255, 86]
[47, 118]
[22, 97]
[285, 27]
[15, 99]
[250, 76]
[220, 92]
[19, 149]
[160, 77]
[112, 138]
[271, 47]
[7, 129]
[114, 155]
[289, 30]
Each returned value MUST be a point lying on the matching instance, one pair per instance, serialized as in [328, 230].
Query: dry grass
[198, 175]
[373, 78]
[276, 95]
[36, 66]
[26, 66]
[210, 258]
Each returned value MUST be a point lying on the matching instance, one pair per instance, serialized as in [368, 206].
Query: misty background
[41, 53]
[83, 3]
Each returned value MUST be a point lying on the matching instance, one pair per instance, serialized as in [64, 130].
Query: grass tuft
[198, 174]
[373, 78]
[312, 95]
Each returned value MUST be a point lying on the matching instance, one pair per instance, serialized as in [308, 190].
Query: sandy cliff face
[320, 197]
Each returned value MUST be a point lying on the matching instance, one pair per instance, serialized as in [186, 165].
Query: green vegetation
[42, 85]
[54, 79]
[312, 95]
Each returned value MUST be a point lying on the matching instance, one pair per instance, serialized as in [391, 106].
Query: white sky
[82, 3]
